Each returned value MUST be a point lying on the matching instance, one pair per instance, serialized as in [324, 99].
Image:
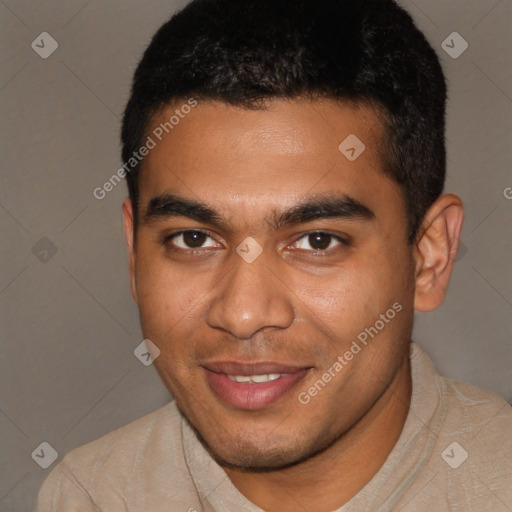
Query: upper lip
[252, 368]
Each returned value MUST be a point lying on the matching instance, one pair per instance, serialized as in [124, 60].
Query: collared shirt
[454, 454]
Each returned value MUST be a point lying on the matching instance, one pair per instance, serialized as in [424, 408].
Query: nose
[250, 298]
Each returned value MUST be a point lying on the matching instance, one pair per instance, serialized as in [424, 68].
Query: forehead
[248, 160]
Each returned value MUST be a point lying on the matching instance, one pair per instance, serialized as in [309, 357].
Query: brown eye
[191, 239]
[194, 239]
[319, 241]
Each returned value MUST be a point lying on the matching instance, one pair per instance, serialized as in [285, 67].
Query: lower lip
[252, 396]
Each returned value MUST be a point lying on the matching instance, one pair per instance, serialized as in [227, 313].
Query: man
[285, 163]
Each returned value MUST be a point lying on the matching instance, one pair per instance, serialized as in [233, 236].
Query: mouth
[252, 386]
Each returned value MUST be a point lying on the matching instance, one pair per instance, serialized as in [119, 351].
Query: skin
[297, 303]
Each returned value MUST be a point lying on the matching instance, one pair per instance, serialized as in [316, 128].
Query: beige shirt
[454, 454]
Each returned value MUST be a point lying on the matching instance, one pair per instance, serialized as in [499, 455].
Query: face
[273, 273]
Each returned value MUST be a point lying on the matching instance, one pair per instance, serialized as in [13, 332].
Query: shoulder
[119, 465]
[476, 419]
[159, 429]
[466, 459]
[473, 452]
[462, 408]
[477, 413]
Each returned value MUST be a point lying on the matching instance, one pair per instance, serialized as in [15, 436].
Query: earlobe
[129, 237]
[435, 251]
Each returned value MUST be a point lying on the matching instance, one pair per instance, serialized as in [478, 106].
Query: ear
[435, 251]
[129, 236]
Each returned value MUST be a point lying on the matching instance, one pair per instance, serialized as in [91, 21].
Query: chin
[248, 454]
[255, 460]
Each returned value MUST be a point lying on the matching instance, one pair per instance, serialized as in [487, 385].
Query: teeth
[241, 378]
[267, 377]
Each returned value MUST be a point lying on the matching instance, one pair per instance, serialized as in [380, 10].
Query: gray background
[69, 326]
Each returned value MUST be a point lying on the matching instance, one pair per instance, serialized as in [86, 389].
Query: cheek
[345, 291]
[353, 297]
[167, 299]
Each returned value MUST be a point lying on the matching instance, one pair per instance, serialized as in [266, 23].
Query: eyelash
[342, 241]
[167, 239]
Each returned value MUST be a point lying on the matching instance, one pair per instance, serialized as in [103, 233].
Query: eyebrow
[167, 206]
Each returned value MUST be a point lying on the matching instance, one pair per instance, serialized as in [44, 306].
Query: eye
[191, 239]
[318, 241]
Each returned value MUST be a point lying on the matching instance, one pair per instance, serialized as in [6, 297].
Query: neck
[330, 479]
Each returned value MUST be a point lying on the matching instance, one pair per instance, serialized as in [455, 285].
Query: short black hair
[244, 52]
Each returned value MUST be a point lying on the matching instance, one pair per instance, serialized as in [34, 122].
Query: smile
[255, 379]
[252, 387]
